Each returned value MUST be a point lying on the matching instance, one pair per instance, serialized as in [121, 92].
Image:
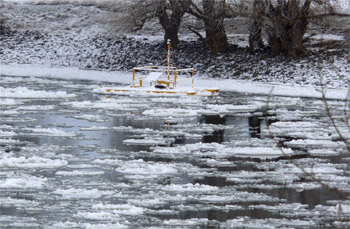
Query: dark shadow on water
[220, 215]
[8, 211]
[255, 126]
[213, 119]
[217, 136]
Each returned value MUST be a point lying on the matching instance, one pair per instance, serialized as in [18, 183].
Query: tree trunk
[256, 28]
[216, 38]
[285, 26]
[172, 35]
[170, 23]
[255, 36]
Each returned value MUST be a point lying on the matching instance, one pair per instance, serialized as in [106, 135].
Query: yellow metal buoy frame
[172, 73]
[170, 80]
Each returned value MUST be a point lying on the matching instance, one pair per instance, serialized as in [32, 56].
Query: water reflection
[255, 126]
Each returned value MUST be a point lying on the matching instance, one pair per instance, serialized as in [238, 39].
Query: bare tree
[256, 31]
[168, 12]
[284, 23]
[213, 13]
[2, 19]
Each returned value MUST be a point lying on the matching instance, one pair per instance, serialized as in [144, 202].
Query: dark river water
[70, 158]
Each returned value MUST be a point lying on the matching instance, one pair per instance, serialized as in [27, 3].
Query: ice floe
[216, 150]
[25, 93]
[149, 141]
[79, 193]
[7, 134]
[8, 102]
[79, 173]
[190, 188]
[140, 167]
[52, 132]
[91, 118]
[23, 182]
[33, 162]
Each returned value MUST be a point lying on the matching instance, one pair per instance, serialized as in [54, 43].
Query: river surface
[70, 158]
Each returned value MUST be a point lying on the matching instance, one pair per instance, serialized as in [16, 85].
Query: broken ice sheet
[52, 132]
[33, 162]
[23, 182]
[25, 93]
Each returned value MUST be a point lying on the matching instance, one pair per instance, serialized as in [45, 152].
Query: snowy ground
[86, 37]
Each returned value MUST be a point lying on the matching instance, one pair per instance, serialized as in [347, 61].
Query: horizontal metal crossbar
[163, 68]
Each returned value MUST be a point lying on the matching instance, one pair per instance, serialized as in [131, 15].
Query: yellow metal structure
[171, 80]
[161, 79]
[168, 59]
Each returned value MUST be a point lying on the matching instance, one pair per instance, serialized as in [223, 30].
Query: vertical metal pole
[133, 77]
[168, 59]
[193, 78]
[175, 78]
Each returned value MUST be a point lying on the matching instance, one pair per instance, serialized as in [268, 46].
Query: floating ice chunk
[190, 188]
[237, 197]
[120, 209]
[253, 142]
[340, 209]
[178, 100]
[52, 132]
[105, 226]
[101, 215]
[149, 141]
[323, 152]
[107, 161]
[229, 108]
[9, 112]
[25, 93]
[259, 152]
[31, 162]
[7, 202]
[149, 201]
[37, 108]
[9, 141]
[218, 163]
[112, 213]
[224, 151]
[170, 112]
[7, 134]
[108, 105]
[79, 193]
[94, 128]
[79, 173]
[311, 143]
[186, 223]
[91, 118]
[295, 125]
[23, 182]
[140, 167]
[270, 223]
[69, 225]
[318, 169]
[8, 102]
[304, 186]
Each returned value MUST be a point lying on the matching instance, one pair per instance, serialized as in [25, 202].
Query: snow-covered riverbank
[125, 78]
[77, 36]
